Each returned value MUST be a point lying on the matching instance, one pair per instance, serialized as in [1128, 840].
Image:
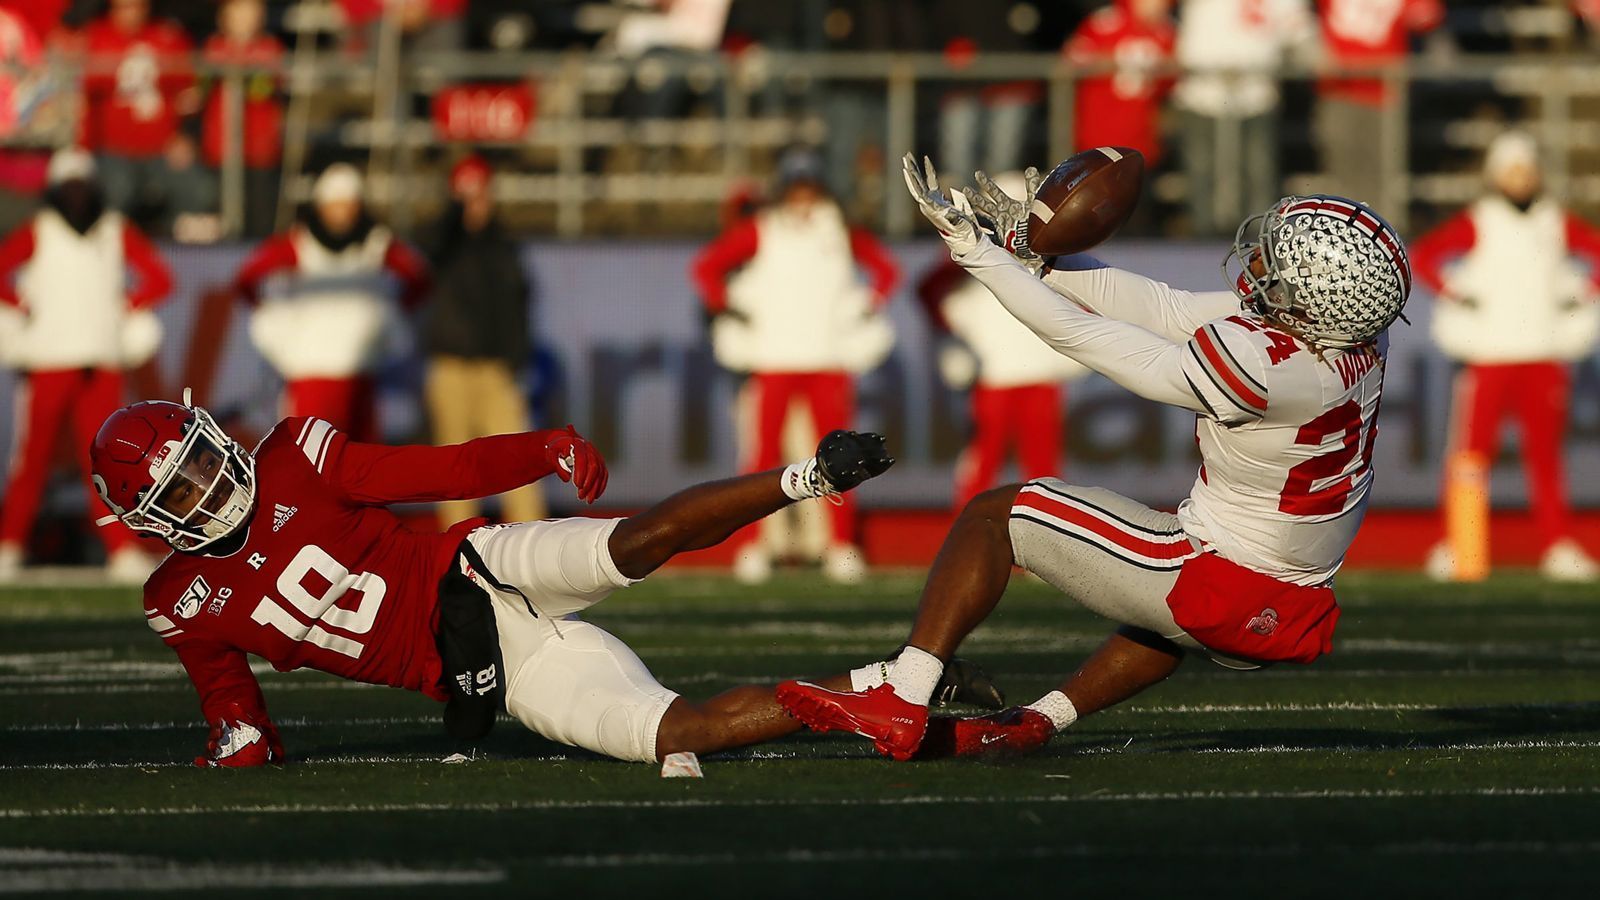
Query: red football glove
[576, 460]
[239, 741]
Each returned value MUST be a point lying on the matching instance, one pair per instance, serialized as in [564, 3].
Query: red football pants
[44, 401]
[1536, 393]
[346, 403]
[1027, 417]
[831, 398]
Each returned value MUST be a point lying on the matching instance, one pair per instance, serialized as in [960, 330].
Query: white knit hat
[339, 181]
[69, 163]
[1508, 150]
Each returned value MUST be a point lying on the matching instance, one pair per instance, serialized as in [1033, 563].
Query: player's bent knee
[993, 505]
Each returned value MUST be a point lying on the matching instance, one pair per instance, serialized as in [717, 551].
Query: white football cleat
[844, 564]
[1566, 561]
[752, 566]
[130, 565]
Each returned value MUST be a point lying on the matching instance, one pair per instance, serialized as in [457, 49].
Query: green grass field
[1448, 747]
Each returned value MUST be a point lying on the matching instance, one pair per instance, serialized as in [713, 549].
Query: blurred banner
[628, 363]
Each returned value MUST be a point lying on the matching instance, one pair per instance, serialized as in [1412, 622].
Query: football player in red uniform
[287, 552]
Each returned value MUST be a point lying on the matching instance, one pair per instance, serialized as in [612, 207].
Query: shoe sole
[821, 716]
[999, 748]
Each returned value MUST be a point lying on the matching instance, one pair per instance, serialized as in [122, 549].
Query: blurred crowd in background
[379, 163]
[208, 117]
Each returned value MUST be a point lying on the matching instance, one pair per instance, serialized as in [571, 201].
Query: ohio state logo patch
[1265, 623]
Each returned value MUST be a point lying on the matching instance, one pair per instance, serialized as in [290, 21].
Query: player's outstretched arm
[376, 475]
[1141, 361]
[1090, 283]
[1129, 297]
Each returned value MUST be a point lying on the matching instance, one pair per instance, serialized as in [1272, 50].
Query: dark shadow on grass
[1509, 723]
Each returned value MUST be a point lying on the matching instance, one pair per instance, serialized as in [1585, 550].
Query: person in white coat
[325, 333]
[1513, 308]
[792, 312]
[72, 320]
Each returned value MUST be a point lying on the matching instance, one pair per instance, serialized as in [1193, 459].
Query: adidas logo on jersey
[281, 515]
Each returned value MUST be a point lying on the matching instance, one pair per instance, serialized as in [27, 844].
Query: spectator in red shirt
[1351, 109]
[1121, 108]
[138, 85]
[428, 25]
[43, 17]
[240, 41]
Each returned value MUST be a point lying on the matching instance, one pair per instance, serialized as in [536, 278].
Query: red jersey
[326, 578]
[131, 85]
[1371, 32]
[1121, 109]
[262, 111]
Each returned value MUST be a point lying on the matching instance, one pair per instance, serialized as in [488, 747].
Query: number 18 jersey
[325, 577]
[1286, 448]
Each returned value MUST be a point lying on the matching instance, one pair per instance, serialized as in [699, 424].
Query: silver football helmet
[1328, 269]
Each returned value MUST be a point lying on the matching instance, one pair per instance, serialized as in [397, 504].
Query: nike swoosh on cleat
[991, 738]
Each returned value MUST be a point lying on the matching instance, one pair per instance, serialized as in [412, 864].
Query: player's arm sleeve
[711, 268]
[1433, 250]
[152, 280]
[1152, 305]
[15, 251]
[374, 474]
[1140, 360]
[222, 677]
[1226, 369]
[275, 253]
[882, 271]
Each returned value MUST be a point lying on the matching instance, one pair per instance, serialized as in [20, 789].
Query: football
[1084, 200]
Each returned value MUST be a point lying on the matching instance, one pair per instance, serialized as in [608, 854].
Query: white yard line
[734, 802]
[1078, 851]
[168, 875]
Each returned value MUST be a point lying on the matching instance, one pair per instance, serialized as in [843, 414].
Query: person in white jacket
[1512, 307]
[793, 313]
[1015, 378]
[72, 320]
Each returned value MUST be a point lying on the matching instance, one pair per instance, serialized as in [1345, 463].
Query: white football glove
[1008, 215]
[953, 217]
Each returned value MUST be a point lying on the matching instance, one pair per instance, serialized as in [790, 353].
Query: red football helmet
[167, 469]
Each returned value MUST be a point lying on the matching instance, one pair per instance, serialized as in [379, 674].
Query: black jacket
[479, 306]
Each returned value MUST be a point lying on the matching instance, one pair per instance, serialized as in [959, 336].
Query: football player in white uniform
[1284, 374]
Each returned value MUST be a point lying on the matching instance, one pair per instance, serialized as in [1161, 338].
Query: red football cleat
[1014, 730]
[894, 726]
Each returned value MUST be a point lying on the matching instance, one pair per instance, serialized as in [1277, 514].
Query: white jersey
[1285, 437]
[1285, 449]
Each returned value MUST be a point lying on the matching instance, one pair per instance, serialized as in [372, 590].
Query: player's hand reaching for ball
[1007, 216]
[576, 460]
[953, 216]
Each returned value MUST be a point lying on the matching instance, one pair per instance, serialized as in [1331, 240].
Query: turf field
[1449, 747]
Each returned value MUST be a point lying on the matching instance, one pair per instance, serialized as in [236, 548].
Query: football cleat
[894, 726]
[1010, 731]
[847, 458]
[964, 681]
